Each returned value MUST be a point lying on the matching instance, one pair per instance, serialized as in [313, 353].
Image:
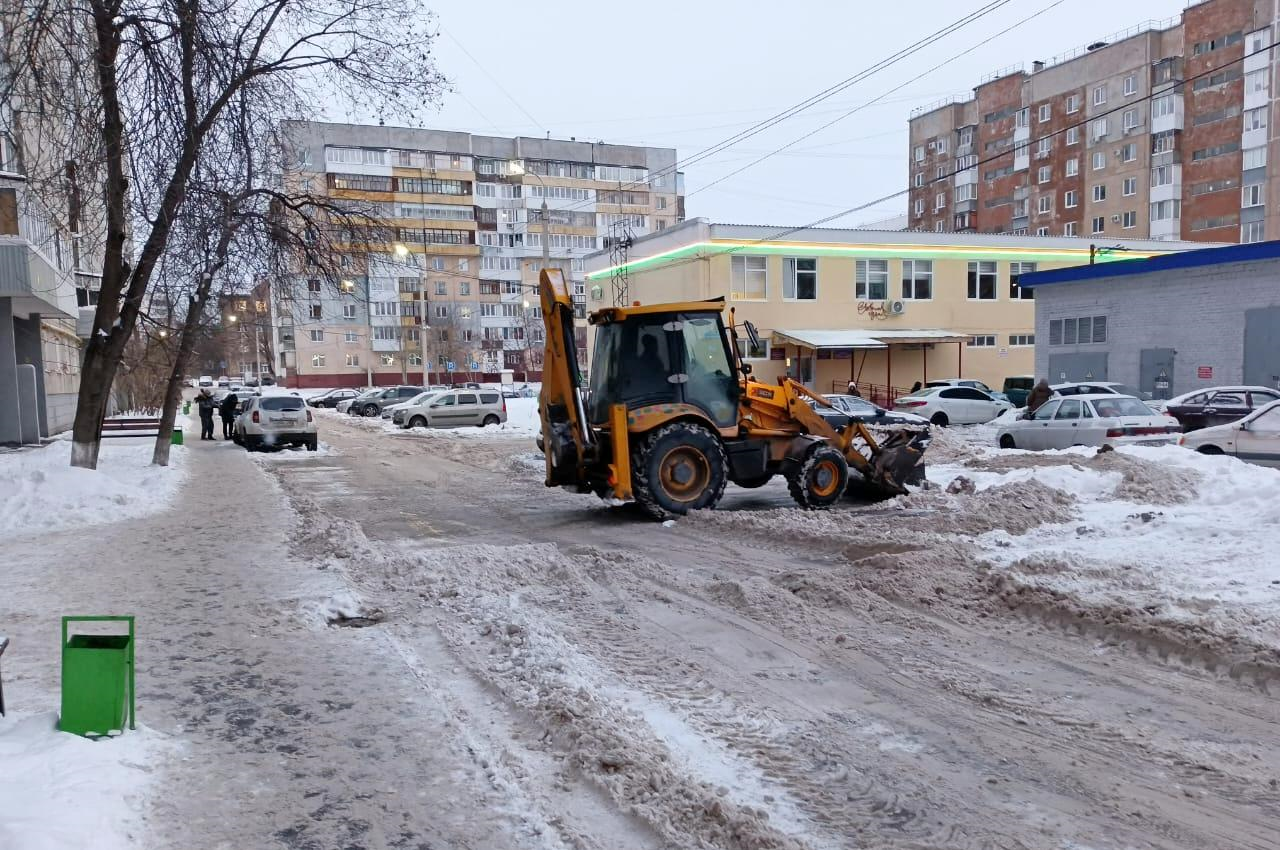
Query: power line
[829, 92]
[781, 234]
[493, 79]
[896, 88]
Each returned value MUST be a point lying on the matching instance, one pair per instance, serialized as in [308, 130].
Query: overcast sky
[689, 74]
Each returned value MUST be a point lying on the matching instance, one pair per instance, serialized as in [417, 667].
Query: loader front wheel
[821, 480]
[678, 468]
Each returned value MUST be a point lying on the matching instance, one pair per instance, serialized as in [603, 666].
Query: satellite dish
[752, 334]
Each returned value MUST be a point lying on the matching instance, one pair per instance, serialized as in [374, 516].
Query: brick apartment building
[1158, 132]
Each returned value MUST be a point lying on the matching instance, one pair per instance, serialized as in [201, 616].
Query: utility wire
[875, 100]
[783, 233]
[493, 79]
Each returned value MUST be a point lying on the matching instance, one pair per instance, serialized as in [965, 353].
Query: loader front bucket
[898, 461]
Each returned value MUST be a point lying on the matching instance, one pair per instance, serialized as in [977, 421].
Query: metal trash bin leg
[4, 644]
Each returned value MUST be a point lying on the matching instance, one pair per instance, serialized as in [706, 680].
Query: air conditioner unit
[1115, 217]
[895, 308]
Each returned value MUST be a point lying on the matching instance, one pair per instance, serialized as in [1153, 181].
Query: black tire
[313, 444]
[940, 419]
[1210, 450]
[822, 479]
[1006, 441]
[371, 410]
[490, 420]
[418, 422]
[675, 451]
[753, 483]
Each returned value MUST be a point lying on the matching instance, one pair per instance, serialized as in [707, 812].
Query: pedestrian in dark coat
[230, 406]
[206, 406]
[1039, 395]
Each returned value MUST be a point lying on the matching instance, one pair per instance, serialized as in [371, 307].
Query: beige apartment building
[1160, 131]
[453, 278]
[881, 308]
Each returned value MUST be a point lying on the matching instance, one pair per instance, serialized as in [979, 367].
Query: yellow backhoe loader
[672, 414]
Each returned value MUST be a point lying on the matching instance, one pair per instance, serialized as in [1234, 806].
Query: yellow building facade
[882, 309]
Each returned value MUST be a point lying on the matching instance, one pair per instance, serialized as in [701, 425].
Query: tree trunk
[186, 345]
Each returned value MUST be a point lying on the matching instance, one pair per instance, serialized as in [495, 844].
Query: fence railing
[881, 395]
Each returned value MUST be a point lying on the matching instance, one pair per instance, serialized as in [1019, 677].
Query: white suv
[275, 421]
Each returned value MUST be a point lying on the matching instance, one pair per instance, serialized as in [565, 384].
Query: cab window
[710, 381]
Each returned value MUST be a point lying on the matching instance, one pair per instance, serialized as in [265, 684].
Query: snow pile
[40, 491]
[59, 791]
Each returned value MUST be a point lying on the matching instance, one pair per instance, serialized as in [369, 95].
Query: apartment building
[881, 308]
[450, 285]
[1157, 132]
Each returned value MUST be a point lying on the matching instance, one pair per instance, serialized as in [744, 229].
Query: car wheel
[313, 444]
[940, 419]
[417, 422]
[1006, 441]
[370, 410]
[1210, 450]
[490, 420]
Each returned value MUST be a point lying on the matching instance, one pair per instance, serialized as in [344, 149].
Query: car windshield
[281, 402]
[1120, 406]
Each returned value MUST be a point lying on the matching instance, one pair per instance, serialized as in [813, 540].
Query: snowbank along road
[759, 677]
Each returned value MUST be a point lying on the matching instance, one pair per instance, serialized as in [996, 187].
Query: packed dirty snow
[40, 491]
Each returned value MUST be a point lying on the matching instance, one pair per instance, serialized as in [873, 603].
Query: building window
[1016, 271]
[1099, 160]
[464, 287]
[1166, 210]
[387, 359]
[871, 280]
[1130, 85]
[316, 312]
[1214, 151]
[1073, 135]
[1130, 119]
[918, 180]
[1253, 195]
[1253, 231]
[1129, 152]
[1070, 199]
[982, 281]
[939, 201]
[313, 286]
[1073, 103]
[1129, 186]
[1129, 219]
[937, 227]
[983, 341]
[1162, 106]
[1162, 175]
[941, 173]
[1043, 113]
[800, 279]
[919, 153]
[917, 280]
[1255, 119]
[1073, 167]
[441, 311]
[1044, 146]
[353, 359]
[348, 311]
[1044, 174]
[1099, 95]
[317, 361]
[1256, 81]
[350, 336]
[317, 336]
[1100, 128]
[749, 278]
[1086, 330]
[1042, 231]
[1099, 223]
[1045, 204]
[1255, 158]
[1069, 229]
[918, 207]
[753, 352]
[415, 359]
[1020, 340]
[442, 287]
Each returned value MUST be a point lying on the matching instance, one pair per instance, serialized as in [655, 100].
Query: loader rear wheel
[822, 479]
[678, 468]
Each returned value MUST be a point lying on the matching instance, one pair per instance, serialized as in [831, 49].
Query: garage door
[1262, 346]
[1090, 366]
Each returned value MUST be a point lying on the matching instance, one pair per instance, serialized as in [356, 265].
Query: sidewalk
[283, 731]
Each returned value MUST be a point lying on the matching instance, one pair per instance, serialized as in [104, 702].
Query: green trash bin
[175, 437]
[97, 679]
[186, 408]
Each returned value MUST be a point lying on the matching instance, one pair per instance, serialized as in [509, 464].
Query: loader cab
[647, 358]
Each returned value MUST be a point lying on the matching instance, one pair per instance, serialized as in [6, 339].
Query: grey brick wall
[1198, 312]
[61, 410]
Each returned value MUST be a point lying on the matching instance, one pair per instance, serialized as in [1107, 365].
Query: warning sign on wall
[1204, 372]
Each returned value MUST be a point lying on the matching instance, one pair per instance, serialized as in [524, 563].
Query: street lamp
[402, 250]
[518, 168]
[231, 318]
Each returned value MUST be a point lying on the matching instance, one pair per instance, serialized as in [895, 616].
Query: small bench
[4, 644]
[130, 426]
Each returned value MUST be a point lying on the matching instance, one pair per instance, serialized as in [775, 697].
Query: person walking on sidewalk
[206, 405]
[228, 409]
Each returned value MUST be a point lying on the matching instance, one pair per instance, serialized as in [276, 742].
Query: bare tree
[161, 81]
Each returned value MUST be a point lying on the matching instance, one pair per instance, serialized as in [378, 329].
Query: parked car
[205, 381]
[1017, 388]
[345, 406]
[1097, 419]
[332, 398]
[1218, 406]
[948, 405]
[454, 408]
[524, 391]
[275, 421]
[1094, 388]
[400, 412]
[371, 403]
[267, 380]
[1255, 439]
[852, 407]
[967, 382]
[224, 381]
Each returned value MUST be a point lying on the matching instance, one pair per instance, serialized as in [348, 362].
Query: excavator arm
[569, 444]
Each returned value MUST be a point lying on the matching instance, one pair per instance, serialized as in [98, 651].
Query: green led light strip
[909, 252]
